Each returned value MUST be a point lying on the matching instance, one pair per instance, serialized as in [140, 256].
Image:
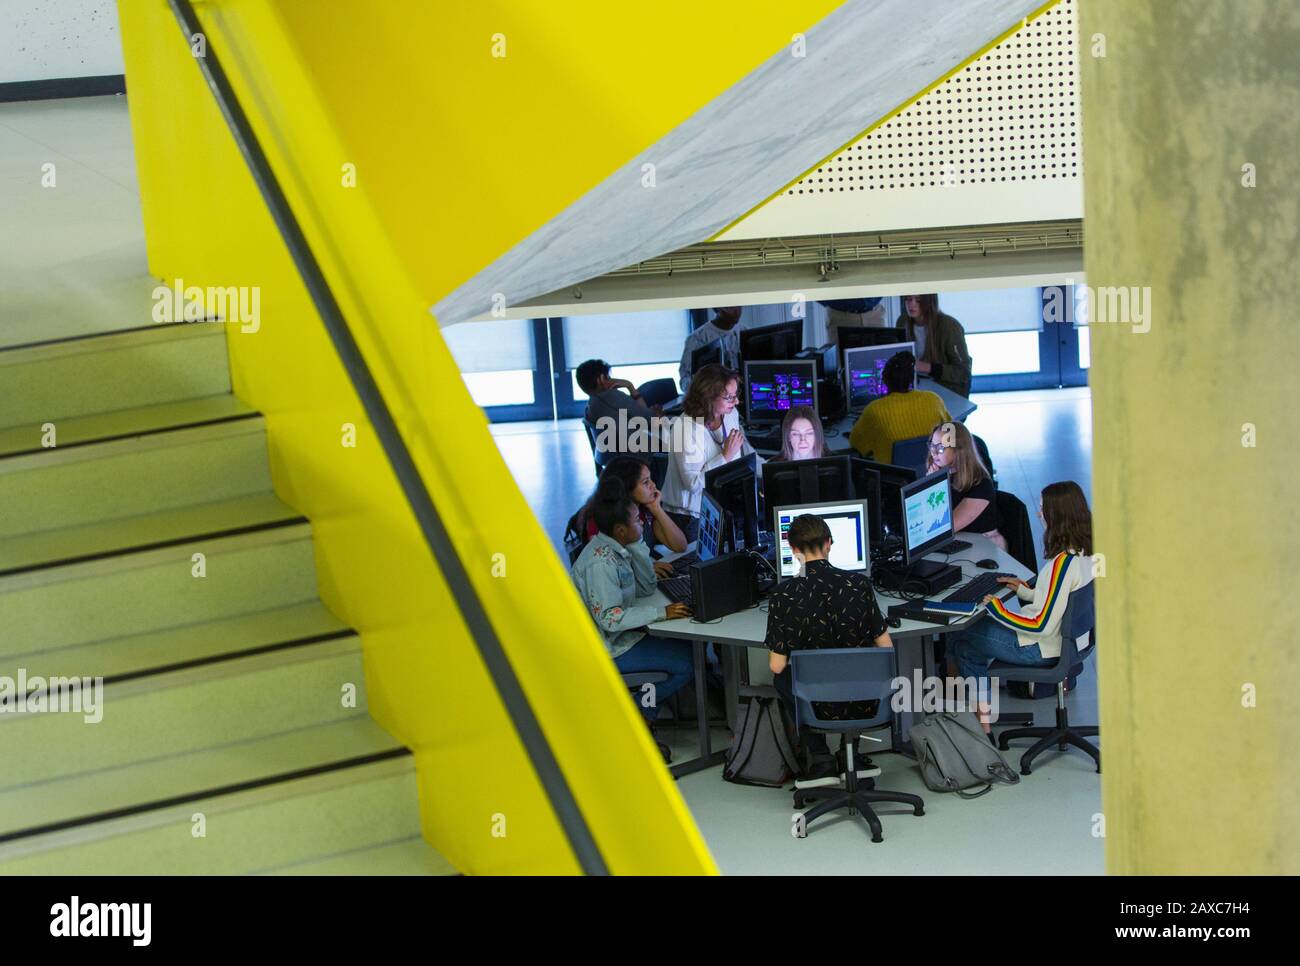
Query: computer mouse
[987, 564]
[894, 622]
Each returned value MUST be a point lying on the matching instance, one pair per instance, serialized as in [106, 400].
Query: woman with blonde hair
[974, 498]
[801, 435]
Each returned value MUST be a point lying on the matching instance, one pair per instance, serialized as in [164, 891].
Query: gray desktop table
[913, 643]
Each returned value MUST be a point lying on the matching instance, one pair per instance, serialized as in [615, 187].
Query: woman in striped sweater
[1032, 635]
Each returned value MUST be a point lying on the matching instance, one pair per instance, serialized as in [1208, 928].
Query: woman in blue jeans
[615, 576]
[1031, 637]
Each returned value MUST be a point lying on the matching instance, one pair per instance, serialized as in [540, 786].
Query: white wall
[46, 39]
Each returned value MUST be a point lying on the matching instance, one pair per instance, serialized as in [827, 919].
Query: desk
[913, 641]
[959, 407]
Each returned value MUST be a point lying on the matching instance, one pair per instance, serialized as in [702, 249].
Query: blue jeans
[652, 653]
[987, 641]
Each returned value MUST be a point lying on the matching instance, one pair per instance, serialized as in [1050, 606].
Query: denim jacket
[615, 582]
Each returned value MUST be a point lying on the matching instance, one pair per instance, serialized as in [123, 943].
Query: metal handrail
[408, 476]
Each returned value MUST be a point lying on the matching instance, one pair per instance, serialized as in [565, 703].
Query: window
[496, 359]
[639, 346]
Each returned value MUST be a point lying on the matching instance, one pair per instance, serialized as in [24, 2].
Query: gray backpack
[761, 753]
[954, 754]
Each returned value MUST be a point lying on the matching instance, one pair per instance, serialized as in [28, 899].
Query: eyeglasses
[939, 447]
[729, 396]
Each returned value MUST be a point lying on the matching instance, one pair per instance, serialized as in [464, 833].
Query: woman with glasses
[801, 435]
[707, 435]
[974, 498]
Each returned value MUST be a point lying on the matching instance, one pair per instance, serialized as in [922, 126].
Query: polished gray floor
[1048, 824]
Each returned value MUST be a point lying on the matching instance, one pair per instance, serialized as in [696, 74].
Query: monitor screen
[707, 354]
[708, 543]
[735, 487]
[772, 388]
[781, 341]
[848, 522]
[927, 514]
[863, 369]
[856, 336]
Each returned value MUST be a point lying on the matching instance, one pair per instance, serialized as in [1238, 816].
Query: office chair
[658, 392]
[845, 674]
[911, 453]
[1079, 619]
[635, 680]
[982, 448]
[599, 456]
[1014, 524]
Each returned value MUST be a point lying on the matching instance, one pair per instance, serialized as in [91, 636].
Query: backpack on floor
[761, 753]
[954, 754]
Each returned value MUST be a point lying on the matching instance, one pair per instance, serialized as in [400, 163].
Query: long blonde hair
[967, 468]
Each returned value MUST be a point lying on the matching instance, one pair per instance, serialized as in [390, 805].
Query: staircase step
[173, 648]
[131, 594]
[273, 802]
[62, 547]
[409, 856]
[151, 474]
[204, 706]
[123, 423]
[120, 370]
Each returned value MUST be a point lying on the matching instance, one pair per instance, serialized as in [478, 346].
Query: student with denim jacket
[615, 577]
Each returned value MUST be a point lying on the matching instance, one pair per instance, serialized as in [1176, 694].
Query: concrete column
[1192, 161]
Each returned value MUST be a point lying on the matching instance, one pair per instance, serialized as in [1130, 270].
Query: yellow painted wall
[465, 154]
[1199, 531]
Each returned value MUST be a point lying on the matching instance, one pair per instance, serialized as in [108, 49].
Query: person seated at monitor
[656, 526]
[940, 342]
[615, 579]
[903, 413]
[1032, 636]
[825, 607]
[726, 326]
[707, 435]
[801, 435]
[607, 396]
[974, 498]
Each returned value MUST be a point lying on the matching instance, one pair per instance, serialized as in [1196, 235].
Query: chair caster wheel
[1004, 745]
[1025, 771]
[799, 801]
[918, 811]
[801, 833]
[877, 838]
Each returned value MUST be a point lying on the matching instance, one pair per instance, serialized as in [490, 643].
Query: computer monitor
[708, 354]
[850, 542]
[708, 543]
[772, 388]
[788, 482]
[890, 480]
[735, 487]
[864, 372]
[927, 515]
[858, 336]
[866, 486]
[781, 341]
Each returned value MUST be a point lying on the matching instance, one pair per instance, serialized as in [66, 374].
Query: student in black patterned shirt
[825, 607]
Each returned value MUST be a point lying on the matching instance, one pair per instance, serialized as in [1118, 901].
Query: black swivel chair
[845, 674]
[1079, 619]
[1014, 525]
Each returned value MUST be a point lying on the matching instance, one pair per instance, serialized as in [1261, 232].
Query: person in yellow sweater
[903, 413]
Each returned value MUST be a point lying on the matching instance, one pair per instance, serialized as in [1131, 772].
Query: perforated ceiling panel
[997, 142]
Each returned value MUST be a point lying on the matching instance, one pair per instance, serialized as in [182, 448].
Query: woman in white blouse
[705, 436]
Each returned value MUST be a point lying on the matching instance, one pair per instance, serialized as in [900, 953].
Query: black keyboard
[954, 546]
[677, 589]
[973, 592]
[683, 563]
